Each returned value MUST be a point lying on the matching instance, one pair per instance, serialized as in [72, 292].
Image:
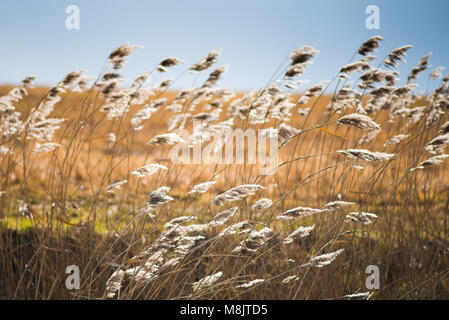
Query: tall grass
[361, 180]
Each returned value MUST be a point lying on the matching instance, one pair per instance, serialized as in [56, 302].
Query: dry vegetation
[361, 181]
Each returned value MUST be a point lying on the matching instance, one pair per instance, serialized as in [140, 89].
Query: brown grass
[73, 221]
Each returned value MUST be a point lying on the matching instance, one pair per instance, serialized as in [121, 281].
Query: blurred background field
[72, 141]
[71, 219]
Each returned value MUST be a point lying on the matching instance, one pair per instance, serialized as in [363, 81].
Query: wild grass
[361, 180]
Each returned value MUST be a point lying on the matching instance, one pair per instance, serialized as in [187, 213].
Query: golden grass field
[56, 210]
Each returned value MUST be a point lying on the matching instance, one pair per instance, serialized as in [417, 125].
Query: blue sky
[256, 35]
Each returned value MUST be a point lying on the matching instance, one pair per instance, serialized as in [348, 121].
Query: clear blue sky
[256, 35]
